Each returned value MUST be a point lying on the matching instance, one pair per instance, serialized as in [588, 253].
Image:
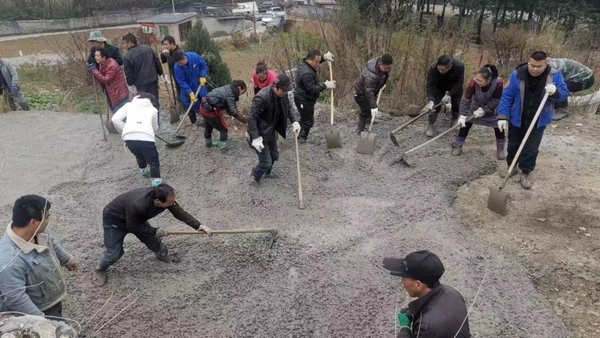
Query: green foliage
[199, 42]
[43, 100]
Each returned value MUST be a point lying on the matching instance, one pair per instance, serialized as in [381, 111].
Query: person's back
[141, 59]
[441, 314]
[138, 120]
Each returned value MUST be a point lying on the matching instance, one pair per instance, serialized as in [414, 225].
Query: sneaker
[301, 140]
[525, 182]
[163, 255]
[429, 130]
[222, 145]
[145, 172]
[156, 182]
[253, 181]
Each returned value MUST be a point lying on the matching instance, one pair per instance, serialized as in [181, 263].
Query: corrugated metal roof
[168, 18]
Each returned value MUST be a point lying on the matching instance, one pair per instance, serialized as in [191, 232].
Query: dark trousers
[145, 154]
[455, 101]
[463, 132]
[113, 243]
[214, 120]
[307, 116]
[192, 116]
[364, 105]
[55, 311]
[266, 158]
[151, 89]
[531, 149]
[120, 104]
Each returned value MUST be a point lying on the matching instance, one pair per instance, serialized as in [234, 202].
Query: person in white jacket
[137, 121]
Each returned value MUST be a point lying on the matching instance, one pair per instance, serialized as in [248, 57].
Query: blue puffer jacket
[511, 104]
[188, 78]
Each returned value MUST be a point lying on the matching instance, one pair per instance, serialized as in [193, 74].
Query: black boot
[163, 253]
[432, 118]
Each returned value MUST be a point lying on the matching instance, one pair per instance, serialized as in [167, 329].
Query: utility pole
[173, 4]
[254, 17]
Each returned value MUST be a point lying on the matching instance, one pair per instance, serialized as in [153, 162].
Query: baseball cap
[423, 265]
[283, 82]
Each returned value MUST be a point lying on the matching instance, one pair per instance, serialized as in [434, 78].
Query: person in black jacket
[166, 56]
[447, 74]
[440, 311]
[370, 81]
[98, 41]
[270, 110]
[129, 213]
[142, 68]
[308, 89]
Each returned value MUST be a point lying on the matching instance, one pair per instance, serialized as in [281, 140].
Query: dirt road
[321, 279]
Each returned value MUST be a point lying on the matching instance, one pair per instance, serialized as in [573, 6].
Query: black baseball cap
[283, 82]
[423, 265]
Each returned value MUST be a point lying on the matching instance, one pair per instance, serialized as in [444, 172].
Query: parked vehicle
[265, 6]
[276, 10]
[268, 17]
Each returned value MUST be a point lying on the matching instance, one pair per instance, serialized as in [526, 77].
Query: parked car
[265, 6]
[276, 10]
[278, 25]
[268, 17]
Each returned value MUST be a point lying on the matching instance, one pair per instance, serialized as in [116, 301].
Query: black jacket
[262, 118]
[132, 210]
[370, 81]
[308, 87]
[440, 314]
[141, 66]
[452, 81]
[224, 97]
[113, 51]
[168, 59]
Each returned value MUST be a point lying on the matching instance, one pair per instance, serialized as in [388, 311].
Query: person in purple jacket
[522, 95]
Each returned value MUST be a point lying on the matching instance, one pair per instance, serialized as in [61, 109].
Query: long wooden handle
[373, 116]
[416, 118]
[331, 78]
[529, 130]
[300, 201]
[188, 110]
[226, 232]
[98, 105]
[456, 127]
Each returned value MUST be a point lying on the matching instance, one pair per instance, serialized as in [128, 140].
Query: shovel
[366, 143]
[204, 230]
[172, 143]
[393, 137]
[282, 144]
[97, 104]
[498, 198]
[173, 116]
[332, 137]
[300, 201]
[456, 127]
[186, 114]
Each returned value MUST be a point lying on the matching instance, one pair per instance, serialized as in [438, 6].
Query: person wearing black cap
[440, 311]
[270, 110]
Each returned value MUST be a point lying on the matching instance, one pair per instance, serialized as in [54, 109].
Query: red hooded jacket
[111, 75]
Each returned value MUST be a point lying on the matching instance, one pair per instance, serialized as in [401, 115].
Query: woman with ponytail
[481, 99]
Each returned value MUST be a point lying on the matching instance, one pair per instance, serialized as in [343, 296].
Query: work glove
[165, 51]
[478, 113]
[296, 127]
[257, 144]
[429, 106]
[375, 112]
[91, 67]
[462, 121]
[328, 57]
[403, 320]
[550, 89]
[161, 233]
[14, 89]
[329, 84]
[446, 99]
[502, 125]
[202, 81]
[163, 78]
[193, 98]
[205, 229]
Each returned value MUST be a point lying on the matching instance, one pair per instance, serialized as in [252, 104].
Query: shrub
[199, 42]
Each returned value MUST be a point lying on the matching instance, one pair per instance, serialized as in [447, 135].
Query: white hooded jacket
[137, 120]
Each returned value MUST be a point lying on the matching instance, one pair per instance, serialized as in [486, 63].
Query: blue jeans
[120, 104]
[266, 158]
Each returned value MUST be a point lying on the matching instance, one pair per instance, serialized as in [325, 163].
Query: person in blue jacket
[190, 72]
[521, 98]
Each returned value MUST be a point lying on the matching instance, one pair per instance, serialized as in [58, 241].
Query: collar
[417, 306]
[27, 247]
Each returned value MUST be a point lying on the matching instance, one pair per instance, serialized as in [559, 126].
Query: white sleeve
[119, 117]
[155, 121]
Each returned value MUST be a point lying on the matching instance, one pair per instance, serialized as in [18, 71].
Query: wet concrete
[322, 277]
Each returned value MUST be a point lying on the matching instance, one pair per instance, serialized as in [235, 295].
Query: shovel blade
[393, 138]
[333, 139]
[282, 143]
[497, 201]
[366, 143]
[173, 116]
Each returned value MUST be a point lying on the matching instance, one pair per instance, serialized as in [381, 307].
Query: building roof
[169, 18]
[310, 11]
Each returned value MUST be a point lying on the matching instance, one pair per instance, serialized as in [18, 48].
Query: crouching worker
[481, 99]
[271, 109]
[222, 98]
[137, 122]
[129, 213]
[30, 261]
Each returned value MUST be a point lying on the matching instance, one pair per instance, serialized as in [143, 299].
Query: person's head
[180, 58]
[261, 72]
[385, 63]
[444, 64]
[240, 85]
[146, 96]
[169, 43]
[101, 55]
[537, 64]
[485, 75]
[282, 85]
[129, 41]
[97, 40]
[420, 271]
[30, 215]
[262, 62]
[313, 58]
[164, 195]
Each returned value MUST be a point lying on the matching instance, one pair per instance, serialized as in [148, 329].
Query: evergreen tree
[199, 41]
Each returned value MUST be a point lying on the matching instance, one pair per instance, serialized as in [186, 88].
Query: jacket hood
[142, 102]
[522, 70]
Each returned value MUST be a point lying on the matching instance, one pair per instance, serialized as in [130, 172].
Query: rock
[13, 326]
[579, 124]
[541, 219]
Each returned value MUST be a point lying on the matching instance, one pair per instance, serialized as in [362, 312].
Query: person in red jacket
[111, 75]
[262, 77]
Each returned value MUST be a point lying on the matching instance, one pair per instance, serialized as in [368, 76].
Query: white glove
[446, 99]
[328, 57]
[550, 89]
[164, 78]
[429, 106]
[462, 121]
[329, 84]
[165, 51]
[478, 113]
[161, 233]
[132, 90]
[502, 125]
[296, 127]
[375, 112]
[257, 144]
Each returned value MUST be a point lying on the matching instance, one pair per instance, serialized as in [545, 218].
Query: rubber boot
[303, 135]
[458, 145]
[362, 121]
[500, 152]
[432, 118]
[163, 253]
[100, 277]
[253, 181]
[145, 172]
[208, 142]
[525, 182]
[222, 145]
[156, 182]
